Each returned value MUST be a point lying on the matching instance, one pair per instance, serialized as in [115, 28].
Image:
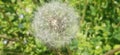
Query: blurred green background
[99, 27]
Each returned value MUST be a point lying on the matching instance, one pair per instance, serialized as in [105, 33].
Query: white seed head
[55, 24]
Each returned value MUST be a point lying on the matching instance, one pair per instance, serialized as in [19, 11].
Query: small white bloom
[5, 41]
[21, 16]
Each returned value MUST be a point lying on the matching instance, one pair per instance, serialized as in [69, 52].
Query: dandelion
[55, 24]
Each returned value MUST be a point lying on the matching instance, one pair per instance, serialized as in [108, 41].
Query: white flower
[55, 24]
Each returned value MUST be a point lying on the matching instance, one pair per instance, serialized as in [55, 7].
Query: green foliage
[99, 28]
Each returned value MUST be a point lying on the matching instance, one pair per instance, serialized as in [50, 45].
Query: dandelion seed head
[55, 24]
